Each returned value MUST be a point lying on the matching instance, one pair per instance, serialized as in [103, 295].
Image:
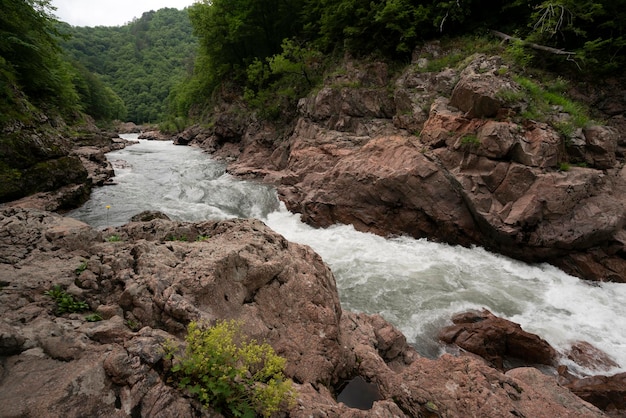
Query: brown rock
[96, 164]
[154, 136]
[606, 392]
[386, 186]
[496, 340]
[497, 139]
[601, 145]
[477, 91]
[283, 293]
[541, 146]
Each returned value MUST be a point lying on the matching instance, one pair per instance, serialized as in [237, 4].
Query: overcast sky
[109, 12]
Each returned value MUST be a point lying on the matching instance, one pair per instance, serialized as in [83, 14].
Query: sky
[109, 12]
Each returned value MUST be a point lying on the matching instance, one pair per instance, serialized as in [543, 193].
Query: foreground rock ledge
[147, 287]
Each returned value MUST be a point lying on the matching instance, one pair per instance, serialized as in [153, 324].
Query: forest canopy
[139, 61]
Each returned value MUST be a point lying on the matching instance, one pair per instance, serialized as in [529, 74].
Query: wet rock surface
[147, 288]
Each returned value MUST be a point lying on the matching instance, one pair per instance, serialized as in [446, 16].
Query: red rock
[496, 339]
[606, 392]
[456, 176]
[590, 357]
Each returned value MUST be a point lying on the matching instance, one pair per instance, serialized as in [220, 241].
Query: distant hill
[140, 61]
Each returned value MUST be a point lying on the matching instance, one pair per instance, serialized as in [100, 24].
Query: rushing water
[415, 284]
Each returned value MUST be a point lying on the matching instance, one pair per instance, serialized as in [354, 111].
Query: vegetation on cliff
[36, 76]
[273, 51]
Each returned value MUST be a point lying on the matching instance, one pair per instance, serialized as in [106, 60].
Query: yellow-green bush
[230, 373]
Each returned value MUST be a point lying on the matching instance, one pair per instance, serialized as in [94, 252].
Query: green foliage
[176, 238]
[231, 374]
[262, 46]
[65, 303]
[82, 267]
[278, 82]
[564, 166]
[520, 53]
[173, 125]
[593, 29]
[458, 50]
[113, 238]
[133, 325]
[545, 102]
[98, 99]
[32, 71]
[231, 36]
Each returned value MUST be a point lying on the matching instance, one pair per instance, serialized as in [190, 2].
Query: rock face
[447, 158]
[147, 288]
[36, 160]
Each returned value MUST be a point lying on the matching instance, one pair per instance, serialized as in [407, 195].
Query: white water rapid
[415, 284]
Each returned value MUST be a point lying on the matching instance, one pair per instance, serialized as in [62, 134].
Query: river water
[415, 284]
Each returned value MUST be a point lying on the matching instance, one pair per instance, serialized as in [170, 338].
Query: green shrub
[181, 238]
[229, 373]
[113, 238]
[564, 166]
[470, 140]
[65, 303]
[94, 317]
[81, 267]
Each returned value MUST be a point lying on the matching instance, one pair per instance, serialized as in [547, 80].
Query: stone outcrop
[64, 182]
[505, 346]
[146, 287]
[445, 156]
[36, 160]
[154, 135]
[497, 340]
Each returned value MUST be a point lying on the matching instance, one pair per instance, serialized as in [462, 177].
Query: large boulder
[387, 186]
[497, 340]
[478, 90]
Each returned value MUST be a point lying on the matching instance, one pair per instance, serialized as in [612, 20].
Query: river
[415, 284]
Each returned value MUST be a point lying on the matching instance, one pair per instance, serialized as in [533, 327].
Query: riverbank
[146, 287]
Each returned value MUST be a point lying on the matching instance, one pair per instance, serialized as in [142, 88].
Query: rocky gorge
[444, 155]
[473, 175]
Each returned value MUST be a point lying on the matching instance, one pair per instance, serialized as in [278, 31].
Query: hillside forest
[167, 65]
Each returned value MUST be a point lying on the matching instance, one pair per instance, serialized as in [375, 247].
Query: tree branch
[532, 45]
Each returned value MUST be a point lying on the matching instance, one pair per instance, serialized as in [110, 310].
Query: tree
[30, 59]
